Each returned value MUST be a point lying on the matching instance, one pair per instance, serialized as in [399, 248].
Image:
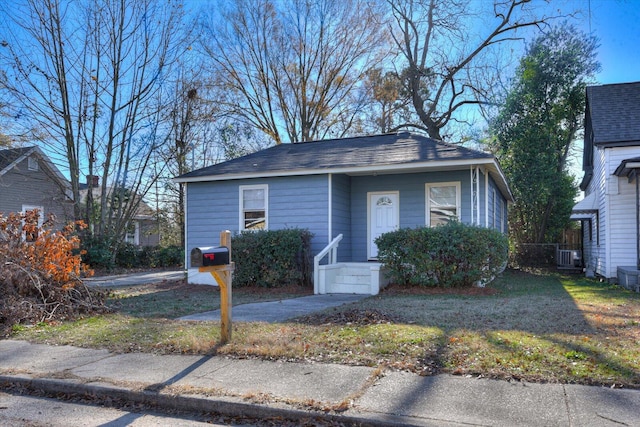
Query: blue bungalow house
[346, 192]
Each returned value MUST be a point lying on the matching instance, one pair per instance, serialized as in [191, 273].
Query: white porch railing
[332, 250]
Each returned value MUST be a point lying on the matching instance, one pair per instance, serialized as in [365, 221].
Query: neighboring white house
[611, 161]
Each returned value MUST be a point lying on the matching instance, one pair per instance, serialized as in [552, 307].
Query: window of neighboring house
[503, 215]
[133, 233]
[443, 203]
[32, 163]
[32, 235]
[253, 207]
[495, 208]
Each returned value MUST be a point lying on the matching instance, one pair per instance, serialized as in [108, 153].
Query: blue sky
[616, 23]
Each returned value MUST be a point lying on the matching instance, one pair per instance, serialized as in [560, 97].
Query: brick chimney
[92, 181]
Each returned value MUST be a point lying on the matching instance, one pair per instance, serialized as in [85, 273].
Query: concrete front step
[351, 278]
[349, 288]
[360, 279]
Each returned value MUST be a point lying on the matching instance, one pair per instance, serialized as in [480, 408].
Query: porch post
[475, 196]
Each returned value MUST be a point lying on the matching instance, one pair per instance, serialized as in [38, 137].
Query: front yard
[536, 327]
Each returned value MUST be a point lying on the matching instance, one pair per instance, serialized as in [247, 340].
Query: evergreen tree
[535, 129]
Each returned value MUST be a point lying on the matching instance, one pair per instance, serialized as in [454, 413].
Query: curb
[196, 403]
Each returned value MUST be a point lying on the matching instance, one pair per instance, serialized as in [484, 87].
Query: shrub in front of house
[451, 255]
[96, 252]
[167, 256]
[129, 256]
[272, 258]
[160, 256]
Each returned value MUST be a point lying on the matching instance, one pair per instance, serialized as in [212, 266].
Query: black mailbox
[209, 256]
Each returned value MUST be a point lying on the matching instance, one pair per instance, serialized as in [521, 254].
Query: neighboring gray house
[347, 192]
[29, 180]
[611, 163]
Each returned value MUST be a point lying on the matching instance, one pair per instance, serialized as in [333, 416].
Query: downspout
[607, 217]
[477, 195]
[330, 205]
[186, 234]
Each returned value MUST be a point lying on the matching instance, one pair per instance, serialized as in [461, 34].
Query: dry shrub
[40, 275]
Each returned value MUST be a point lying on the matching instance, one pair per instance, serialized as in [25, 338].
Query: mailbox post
[217, 261]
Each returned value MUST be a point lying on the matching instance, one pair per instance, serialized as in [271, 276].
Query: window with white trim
[32, 234]
[443, 203]
[32, 163]
[254, 207]
[133, 233]
[496, 212]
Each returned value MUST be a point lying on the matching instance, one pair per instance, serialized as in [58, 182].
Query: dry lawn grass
[532, 326]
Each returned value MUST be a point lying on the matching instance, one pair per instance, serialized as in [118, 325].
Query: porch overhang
[584, 211]
[628, 168]
[585, 208]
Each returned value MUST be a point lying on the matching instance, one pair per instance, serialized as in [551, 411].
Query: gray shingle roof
[10, 155]
[386, 150]
[615, 112]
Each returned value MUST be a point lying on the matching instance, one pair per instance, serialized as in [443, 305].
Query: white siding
[594, 242]
[617, 214]
[621, 196]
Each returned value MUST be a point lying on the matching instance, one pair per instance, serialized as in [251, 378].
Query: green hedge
[98, 254]
[272, 258]
[451, 255]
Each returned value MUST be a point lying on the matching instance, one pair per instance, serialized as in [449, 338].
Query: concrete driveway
[278, 311]
[133, 279]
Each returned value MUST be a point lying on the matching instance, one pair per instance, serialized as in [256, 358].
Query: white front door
[383, 215]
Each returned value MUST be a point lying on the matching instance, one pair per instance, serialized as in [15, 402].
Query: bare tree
[87, 73]
[189, 118]
[389, 105]
[291, 68]
[198, 135]
[448, 53]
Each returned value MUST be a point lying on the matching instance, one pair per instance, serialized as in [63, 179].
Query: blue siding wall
[341, 215]
[497, 208]
[302, 202]
[293, 202]
[412, 201]
[494, 195]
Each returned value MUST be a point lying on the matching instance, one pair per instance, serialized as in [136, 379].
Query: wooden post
[223, 275]
[226, 291]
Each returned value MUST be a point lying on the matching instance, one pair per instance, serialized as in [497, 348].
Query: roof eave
[379, 169]
[617, 143]
[18, 160]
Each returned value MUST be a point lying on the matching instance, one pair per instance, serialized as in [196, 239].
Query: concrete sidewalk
[301, 391]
